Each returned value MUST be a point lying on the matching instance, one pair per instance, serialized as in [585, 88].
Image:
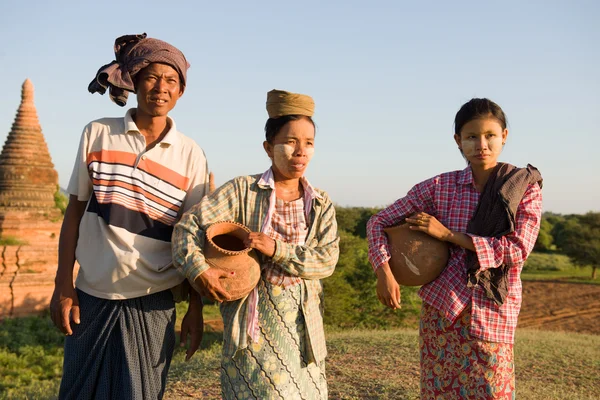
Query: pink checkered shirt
[288, 224]
[452, 199]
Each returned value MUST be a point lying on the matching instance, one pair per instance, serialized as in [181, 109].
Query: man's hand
[209, 285]
[388, 290]
[261, 242]
[64, 308]
[192, 325]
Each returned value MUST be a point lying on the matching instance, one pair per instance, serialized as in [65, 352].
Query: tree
[61, 200]
[545, 241]
[578, 236]
[354, 219]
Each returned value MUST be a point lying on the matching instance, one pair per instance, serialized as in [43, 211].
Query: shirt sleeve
[198, 184]
[189, 233]
[419, 198]
[514, 248]
[80, 184]
[312, 261]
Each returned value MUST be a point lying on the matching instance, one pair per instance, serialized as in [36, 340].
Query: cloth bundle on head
[133, 53]
[280, 103]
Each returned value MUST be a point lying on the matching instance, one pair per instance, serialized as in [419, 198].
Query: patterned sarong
[121, 350]
[456, 366]
[275, 367]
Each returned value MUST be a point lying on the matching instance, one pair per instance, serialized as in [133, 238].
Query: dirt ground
[552, 306]
[558, 306]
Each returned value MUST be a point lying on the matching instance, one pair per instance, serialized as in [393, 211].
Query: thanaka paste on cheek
[282, 154]
[284, 150]
[310, 152]
[471, 148]
[468, 147]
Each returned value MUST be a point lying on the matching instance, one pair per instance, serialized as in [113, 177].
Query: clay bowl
[224, 249]
[417, 258]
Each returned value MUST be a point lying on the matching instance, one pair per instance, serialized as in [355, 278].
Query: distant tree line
[575, 235]
[350, 299]
[350, 292]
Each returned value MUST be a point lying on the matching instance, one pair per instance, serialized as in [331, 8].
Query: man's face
[158, 89]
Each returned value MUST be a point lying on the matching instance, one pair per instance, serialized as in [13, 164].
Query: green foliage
[350, 296]
[12, 241]
[545, 241]
[31, 356]
[578, 236]
[341, 299]
[17, 333]
[60, 200]
[547, 262]
[354, 219]
[555, 266]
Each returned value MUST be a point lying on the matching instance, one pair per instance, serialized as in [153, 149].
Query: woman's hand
[261, 242]
[430, 225]
[388, 290]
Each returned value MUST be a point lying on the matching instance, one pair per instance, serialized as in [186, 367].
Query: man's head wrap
[133, 53]
[280, 103]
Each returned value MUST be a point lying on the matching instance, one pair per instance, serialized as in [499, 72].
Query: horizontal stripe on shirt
[133, 176]
[133, 221]
[151, 167]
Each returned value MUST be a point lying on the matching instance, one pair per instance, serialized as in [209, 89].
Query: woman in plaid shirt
[274, 344]
[467, 327]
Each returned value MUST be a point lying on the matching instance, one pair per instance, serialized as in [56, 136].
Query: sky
[387, 78]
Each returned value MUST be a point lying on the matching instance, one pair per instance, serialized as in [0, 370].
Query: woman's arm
[189, 236]
[514, 248]
[428, 224]
[419, 198]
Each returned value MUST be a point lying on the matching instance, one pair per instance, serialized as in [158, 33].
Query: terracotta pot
[224, 249]
[417, 258]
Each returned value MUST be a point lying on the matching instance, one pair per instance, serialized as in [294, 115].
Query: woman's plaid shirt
[452, 199]
[246, 200]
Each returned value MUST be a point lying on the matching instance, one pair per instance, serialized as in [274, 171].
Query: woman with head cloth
[274, 344]
[490, 214]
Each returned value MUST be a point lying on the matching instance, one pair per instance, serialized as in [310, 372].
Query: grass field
[385, 365]
[551, 266]
[361, 364]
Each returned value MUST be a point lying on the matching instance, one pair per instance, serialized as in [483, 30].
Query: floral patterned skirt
[455, 365]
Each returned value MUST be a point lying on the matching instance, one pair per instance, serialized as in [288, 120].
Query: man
[132, 180]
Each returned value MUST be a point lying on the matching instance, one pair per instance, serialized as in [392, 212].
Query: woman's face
[481, 141]
[291, 149]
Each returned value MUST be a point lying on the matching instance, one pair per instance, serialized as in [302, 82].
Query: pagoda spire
[27, 175]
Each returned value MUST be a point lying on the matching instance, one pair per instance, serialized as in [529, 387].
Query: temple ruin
[29, 219]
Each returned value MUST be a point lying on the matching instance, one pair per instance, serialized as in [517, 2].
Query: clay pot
[224, 249]
[417, 258]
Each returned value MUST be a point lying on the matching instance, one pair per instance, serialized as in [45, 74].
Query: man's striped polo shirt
[134, 197]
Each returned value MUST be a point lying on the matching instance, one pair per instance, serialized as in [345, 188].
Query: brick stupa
[29, 219]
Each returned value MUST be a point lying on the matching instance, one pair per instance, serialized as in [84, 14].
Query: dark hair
[274, 125]
[478, 108]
